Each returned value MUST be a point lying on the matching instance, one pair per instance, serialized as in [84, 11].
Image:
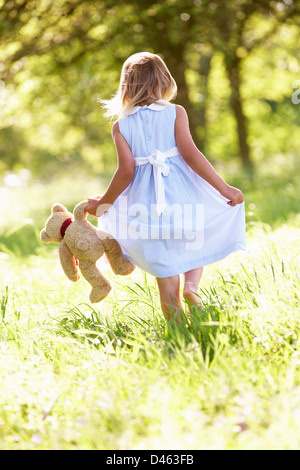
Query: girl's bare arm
[121, 178]
[197, 161]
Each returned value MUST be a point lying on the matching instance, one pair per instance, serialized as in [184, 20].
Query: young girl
[166, 205]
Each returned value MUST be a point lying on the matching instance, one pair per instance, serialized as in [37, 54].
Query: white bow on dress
[160, 169]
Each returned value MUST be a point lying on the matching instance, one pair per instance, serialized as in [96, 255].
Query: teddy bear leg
[119, 264]
[100, 285]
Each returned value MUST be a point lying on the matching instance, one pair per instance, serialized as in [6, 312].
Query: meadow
[116, 375]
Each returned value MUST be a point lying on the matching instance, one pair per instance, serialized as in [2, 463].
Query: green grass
[116, 376]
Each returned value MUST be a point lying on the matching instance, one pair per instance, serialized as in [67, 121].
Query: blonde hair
[144, 78]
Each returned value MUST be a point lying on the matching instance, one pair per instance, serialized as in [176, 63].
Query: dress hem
[200, 262]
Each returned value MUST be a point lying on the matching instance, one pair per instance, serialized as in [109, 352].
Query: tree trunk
[204, 68]
[238, 112]
[176, 64]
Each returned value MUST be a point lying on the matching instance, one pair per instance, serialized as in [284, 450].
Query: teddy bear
[82, 243]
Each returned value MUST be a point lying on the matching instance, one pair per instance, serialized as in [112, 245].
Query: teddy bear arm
[79, 211]
[68, 262]
[44, 236]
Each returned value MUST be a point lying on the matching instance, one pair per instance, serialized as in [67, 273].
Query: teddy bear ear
[44, 237]
[58, 208]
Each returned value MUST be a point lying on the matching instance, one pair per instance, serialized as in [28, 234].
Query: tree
[171, 28]
[71, 49]
[233, 39]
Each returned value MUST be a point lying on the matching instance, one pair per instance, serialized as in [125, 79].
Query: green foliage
[117, 376]
[59, 57]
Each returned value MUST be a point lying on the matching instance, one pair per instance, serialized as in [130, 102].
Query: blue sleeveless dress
[169, 220]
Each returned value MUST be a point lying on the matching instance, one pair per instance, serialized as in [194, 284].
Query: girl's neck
[145, 103]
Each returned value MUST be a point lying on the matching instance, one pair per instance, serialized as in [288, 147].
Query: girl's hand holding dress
[234, 195]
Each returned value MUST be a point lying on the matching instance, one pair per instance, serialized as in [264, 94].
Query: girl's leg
[170, 296]
[191, 283]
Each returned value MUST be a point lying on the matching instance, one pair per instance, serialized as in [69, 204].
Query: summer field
[115, 375]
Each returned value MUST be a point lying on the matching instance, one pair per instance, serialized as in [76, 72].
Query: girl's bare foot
[190, 294]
